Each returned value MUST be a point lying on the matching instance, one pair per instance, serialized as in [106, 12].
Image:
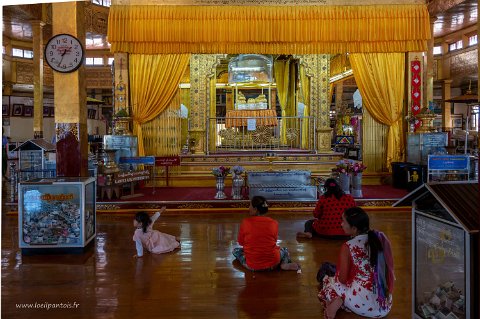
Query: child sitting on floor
[153, 240]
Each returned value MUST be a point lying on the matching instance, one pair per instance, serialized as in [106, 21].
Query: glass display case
[124, 145]
[444, 250]
[56, 213]
[420, 145]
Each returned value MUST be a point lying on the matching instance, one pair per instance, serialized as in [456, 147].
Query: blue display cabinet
[56, 215]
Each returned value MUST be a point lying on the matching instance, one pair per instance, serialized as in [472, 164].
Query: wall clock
[64, 53]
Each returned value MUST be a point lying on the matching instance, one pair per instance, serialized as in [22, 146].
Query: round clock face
[64, 53]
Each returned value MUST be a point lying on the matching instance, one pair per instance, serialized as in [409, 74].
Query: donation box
[56, 214]
[444, 250]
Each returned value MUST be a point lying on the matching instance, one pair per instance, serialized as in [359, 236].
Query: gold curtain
[154, 81]
[162, 136]
[374, 142]
[381, 80]
[339, 63]
[305, 90]
[282, 78]
[152, 29]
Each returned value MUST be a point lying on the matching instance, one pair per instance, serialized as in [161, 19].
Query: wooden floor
[199, 281]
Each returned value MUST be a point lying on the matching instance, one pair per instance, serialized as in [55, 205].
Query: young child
[153, 240]
[258, 235]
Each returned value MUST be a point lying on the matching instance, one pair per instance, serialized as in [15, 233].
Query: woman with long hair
[363, 281]
[328, 213]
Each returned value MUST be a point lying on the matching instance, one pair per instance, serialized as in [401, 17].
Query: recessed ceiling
[455, 19]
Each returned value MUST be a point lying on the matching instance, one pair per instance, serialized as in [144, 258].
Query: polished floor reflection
[199, 281]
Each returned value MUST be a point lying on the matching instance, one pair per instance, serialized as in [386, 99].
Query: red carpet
[174, 194]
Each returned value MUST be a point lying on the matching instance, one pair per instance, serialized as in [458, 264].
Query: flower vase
[237, 184]
[344, 181]
[357, 185]
[220, 187]
[412, 127]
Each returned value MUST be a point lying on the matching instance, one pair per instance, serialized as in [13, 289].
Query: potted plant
[220, 173]
[344, 168]
[237, 182]
[357, 170]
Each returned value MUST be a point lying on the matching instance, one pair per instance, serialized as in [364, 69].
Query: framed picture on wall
[5, 121]
[91, 114]
[45, 111]
[457, 120]
[27, 110]
[5, 110]
[17, 110]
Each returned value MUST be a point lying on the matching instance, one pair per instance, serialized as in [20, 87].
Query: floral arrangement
[221, 171]
[411, 119]
[238, 169]
[343, 167]
[358, 168]
[349, 167]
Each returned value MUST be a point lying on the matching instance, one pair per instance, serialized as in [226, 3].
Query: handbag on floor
[326, 268]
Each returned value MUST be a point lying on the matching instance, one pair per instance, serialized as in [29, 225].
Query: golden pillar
[317, 68]
[428, 84]
[70, 97]
[37, 28]
[446, 106]
[202, 70]
[121, 79]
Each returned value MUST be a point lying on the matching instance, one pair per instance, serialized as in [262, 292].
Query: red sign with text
[167, 161]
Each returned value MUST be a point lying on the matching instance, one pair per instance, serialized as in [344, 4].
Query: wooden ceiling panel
[456, 18]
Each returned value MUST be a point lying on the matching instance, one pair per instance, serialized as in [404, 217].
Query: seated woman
[258, 235]
[363, 282]
[328, 213]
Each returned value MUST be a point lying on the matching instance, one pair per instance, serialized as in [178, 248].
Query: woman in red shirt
[258, 235]
[328, 213]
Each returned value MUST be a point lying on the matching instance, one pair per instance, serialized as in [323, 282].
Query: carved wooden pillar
[446, 106]
[70, 97]
[317, 67]
[202, 68]
[428, 84]
[120, 82]
[37, 28]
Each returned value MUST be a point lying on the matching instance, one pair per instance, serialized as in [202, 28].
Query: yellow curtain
[154, 81]
[162, 136]
[374, 142]
[305, 90]
[339, 64]
[153, 29]
[381, 80]
[282, 78]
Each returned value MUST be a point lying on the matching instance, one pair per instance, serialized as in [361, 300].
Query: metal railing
[261, 133]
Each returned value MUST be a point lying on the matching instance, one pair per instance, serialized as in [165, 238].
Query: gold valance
[150, 29]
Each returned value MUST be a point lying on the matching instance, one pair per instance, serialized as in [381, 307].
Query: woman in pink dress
[363, 282]
[153, 240]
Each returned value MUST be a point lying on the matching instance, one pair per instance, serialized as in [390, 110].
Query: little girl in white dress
[153, 240]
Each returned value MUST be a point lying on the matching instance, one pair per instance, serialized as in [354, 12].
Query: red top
[258, 236]
[328, 213]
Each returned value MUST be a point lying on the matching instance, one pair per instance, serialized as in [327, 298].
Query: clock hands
[64, 52]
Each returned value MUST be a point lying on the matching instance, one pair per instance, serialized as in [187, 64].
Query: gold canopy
[150, 29]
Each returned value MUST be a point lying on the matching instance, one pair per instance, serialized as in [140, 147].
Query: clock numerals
[64, 53]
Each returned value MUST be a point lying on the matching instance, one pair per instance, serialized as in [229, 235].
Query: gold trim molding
[266, 2]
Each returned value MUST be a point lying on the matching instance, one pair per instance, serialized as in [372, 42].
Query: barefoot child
[153, 240]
